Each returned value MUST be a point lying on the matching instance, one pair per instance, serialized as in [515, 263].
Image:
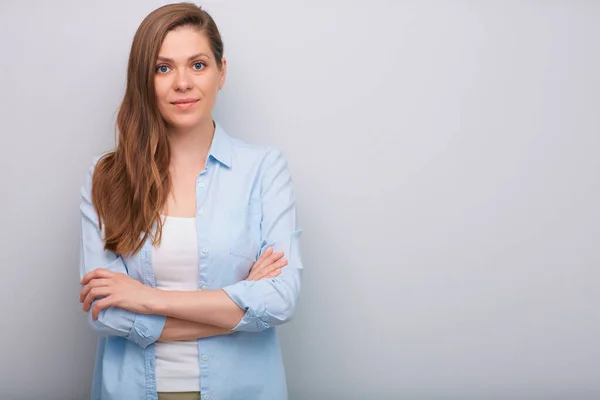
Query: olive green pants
[178, 395]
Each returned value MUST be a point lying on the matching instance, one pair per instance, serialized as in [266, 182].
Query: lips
[184, 101]
[185, 104]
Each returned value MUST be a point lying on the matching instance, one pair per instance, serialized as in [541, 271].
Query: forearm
[210, 307]
[179, 329]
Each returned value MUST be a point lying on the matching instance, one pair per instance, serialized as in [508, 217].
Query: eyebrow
[169, 60]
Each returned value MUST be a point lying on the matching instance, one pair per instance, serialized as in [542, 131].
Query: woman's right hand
[268, 265]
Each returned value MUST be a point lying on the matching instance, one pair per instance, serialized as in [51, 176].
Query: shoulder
[240, 153]
[269, 163]
[87, 183]
[260, 154]
[100, 156]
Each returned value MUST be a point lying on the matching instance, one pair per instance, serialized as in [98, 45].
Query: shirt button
[205, 357]
[205, 250]
[201, 184]
[206, 397]
[200, 212]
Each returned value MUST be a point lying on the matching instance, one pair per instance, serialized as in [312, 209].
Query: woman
[184, 229]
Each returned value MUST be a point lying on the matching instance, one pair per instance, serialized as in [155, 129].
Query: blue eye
[162, 69]
[198, 66]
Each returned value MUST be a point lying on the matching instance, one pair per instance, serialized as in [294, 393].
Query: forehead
[183, 42]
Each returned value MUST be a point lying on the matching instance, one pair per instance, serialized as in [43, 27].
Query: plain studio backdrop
[445, 158]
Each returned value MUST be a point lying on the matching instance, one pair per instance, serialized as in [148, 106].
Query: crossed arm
[190, 315]
[119, 305]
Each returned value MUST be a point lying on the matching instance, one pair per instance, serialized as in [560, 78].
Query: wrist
[157, 303]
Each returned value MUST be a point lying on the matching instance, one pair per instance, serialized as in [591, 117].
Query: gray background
[445, 156]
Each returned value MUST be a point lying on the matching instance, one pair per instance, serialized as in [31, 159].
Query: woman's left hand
[118, 290]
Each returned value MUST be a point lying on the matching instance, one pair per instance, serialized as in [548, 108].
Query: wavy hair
[131, 183]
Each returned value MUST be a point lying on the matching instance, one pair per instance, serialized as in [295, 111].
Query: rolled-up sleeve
[141, 329]
[270, 302]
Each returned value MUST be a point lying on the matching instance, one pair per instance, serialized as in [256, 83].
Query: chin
[186, 122]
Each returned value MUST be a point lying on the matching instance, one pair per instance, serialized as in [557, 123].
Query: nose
[183, 80]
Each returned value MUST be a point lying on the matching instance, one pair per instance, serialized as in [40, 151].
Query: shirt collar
[221, 148]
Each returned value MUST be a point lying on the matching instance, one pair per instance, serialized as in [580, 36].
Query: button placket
[203, 244]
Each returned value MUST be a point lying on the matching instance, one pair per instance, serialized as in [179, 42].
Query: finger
[93, 283]
[262, 259]
[96, 273]
[266, 253]
[250, 278]
[266, 272]
[276, 265]
[274, 273]
[94, 294]
[253, 275]
[269, 260]
[99, 306]
[91, 275]
[276, 256]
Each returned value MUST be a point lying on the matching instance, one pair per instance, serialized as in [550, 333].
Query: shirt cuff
[146, 329]
[252, 302]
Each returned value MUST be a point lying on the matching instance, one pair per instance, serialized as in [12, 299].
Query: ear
[223, 74]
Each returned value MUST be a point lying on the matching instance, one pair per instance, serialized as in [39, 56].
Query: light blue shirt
[245, 203]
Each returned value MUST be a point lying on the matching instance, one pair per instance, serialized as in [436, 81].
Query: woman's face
[187, 79]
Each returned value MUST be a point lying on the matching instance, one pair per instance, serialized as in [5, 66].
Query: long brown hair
[131, 184]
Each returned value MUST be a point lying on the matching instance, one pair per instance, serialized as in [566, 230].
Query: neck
[191, 146]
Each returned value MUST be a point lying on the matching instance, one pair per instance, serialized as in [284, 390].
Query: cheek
[161, 88]
[163, 108]
[208, 84]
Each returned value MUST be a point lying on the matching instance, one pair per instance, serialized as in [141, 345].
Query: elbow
[277, 312]
[273, 304]
[279, 318]
[281, 309]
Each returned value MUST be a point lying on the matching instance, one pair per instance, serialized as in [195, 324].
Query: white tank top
[175, 265]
